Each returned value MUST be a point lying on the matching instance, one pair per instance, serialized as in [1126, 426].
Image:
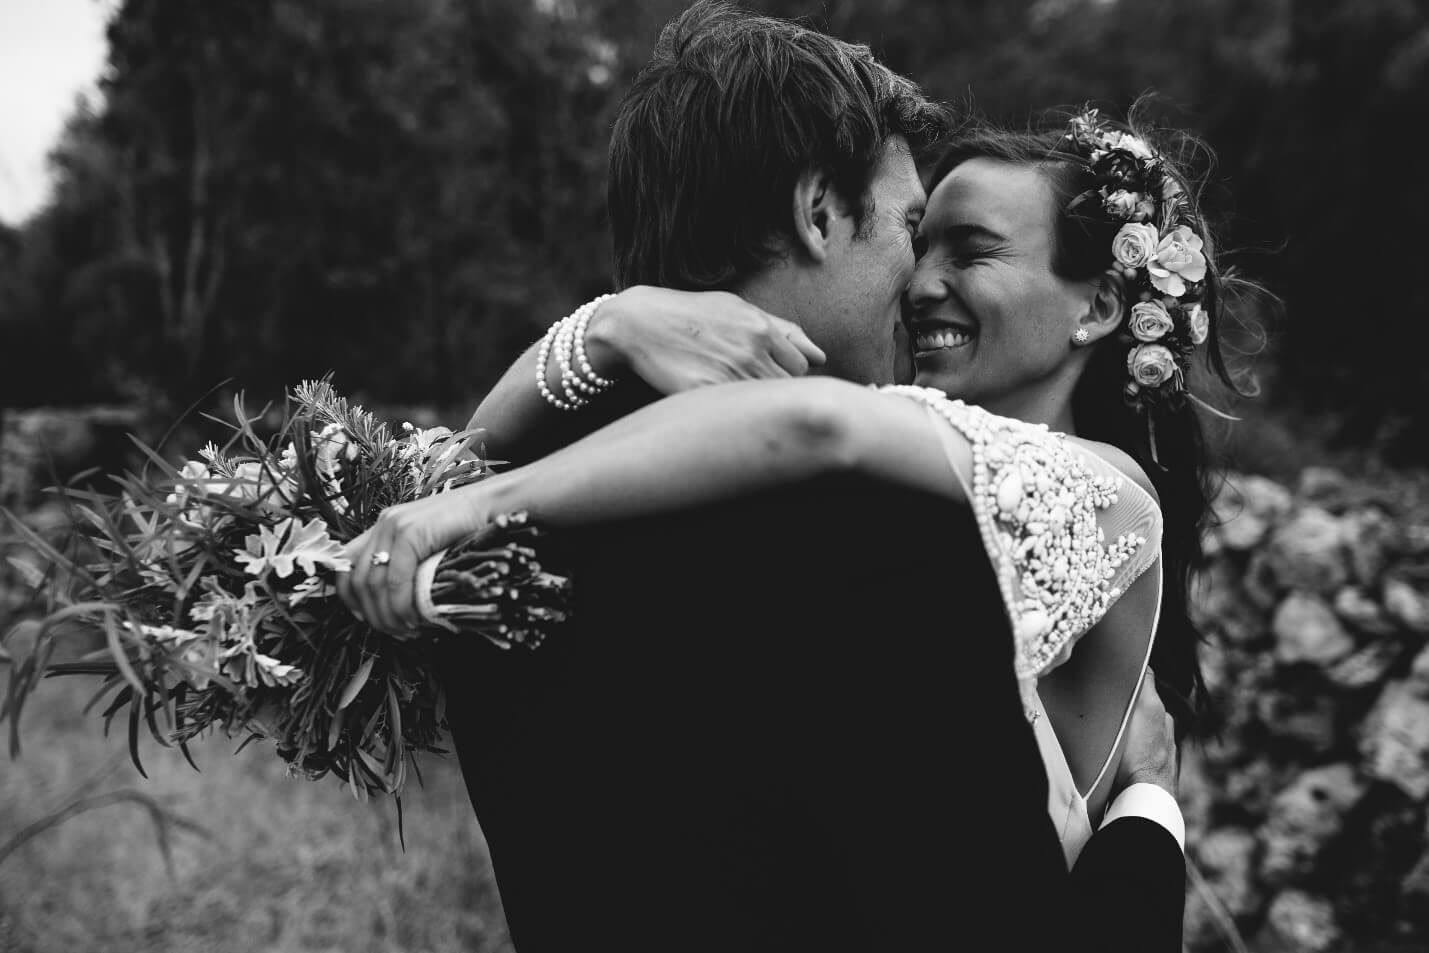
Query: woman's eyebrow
[961, 232]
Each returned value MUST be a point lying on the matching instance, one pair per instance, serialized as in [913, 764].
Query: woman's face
[991, 323]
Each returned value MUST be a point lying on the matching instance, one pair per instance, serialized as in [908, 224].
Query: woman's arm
[672, 340]
[694, 448]
[722, 442]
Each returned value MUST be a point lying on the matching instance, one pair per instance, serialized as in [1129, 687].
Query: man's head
[752, 151]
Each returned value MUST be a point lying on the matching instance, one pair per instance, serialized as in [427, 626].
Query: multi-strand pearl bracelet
[579, 382]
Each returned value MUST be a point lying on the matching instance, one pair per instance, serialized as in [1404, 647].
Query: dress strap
[1145, 663]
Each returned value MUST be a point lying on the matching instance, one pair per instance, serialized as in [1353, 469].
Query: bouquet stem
[494, 585]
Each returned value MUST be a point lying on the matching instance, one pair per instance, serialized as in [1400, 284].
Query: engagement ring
[381, 558]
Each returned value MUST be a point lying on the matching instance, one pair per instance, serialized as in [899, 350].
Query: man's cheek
[903, 367]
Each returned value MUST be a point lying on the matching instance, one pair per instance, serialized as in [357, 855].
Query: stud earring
[1081, 336]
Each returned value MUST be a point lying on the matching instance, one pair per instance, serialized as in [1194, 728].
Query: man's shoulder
[843, 509]
[828, 538]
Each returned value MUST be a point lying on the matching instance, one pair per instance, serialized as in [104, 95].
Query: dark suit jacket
[784, 724]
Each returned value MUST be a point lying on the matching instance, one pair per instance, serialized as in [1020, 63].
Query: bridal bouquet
[213, 586]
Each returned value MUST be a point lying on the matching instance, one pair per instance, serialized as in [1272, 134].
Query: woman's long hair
[1177, 463]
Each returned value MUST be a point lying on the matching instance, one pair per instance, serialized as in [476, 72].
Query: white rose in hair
[1126, 142]
[1177, 260]
[1151, 365]
[1134, 244]
[1150, 322]
[1200, 323]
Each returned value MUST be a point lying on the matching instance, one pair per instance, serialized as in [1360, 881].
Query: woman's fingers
[376, 573]
[355, 586]
[366, 588]
[680, 340]
[1148, 688]
[791, 332]
[785, 353]
[401, 606]
[393, 581]
[790, 349]
[347, 587]
[786, 357]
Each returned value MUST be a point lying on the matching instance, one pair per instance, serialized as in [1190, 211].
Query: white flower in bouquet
[283, 547]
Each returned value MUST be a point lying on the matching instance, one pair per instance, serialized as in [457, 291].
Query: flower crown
[1158, 249]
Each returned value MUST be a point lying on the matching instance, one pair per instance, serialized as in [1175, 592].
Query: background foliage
[1305, 809]
[406, 193]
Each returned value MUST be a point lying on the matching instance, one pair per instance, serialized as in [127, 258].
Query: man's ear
[1107, 307]
[816, 205]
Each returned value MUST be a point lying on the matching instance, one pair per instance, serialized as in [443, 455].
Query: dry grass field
[283, 865]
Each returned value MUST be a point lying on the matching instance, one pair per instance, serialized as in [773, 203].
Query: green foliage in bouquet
[213, 584]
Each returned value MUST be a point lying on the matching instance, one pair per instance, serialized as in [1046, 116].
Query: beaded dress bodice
[1067, 534]
[1043, 506]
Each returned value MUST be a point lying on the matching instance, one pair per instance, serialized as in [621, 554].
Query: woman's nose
[927, 286]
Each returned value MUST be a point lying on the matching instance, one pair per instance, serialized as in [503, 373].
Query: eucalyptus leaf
[355, 684]
[135, 704]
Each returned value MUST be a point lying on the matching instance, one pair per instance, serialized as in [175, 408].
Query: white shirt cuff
[1152, 802]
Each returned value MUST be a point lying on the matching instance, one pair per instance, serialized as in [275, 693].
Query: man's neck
[775, 289]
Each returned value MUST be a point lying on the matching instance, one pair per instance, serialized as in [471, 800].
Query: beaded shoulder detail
[1036, 500]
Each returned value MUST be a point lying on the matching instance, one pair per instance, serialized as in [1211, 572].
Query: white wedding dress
[1046, 508]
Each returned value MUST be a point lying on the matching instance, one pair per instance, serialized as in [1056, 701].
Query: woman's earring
[1081, 336]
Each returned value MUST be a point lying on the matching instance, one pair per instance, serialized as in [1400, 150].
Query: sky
[51, 51]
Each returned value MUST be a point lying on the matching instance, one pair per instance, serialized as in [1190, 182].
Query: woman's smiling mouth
[940, 339]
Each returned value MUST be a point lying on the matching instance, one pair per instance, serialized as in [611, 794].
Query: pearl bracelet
[579, 382]
[582, 317]
[542, 356]
[565, 338]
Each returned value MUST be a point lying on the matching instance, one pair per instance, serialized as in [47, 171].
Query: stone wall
[39, 444]
[1306, 808]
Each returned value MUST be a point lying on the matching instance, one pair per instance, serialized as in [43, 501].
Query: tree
[277, 189]
[407, 193]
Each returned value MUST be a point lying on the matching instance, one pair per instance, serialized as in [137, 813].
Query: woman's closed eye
[969, 244]
[964, 255]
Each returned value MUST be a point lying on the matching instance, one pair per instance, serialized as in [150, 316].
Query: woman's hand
[1150, 753]
[679, 340]
[380, 588]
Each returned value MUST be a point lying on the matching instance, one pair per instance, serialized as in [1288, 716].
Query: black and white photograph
[698, 476]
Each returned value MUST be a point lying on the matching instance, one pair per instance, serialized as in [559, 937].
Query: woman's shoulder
[1122, 462]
